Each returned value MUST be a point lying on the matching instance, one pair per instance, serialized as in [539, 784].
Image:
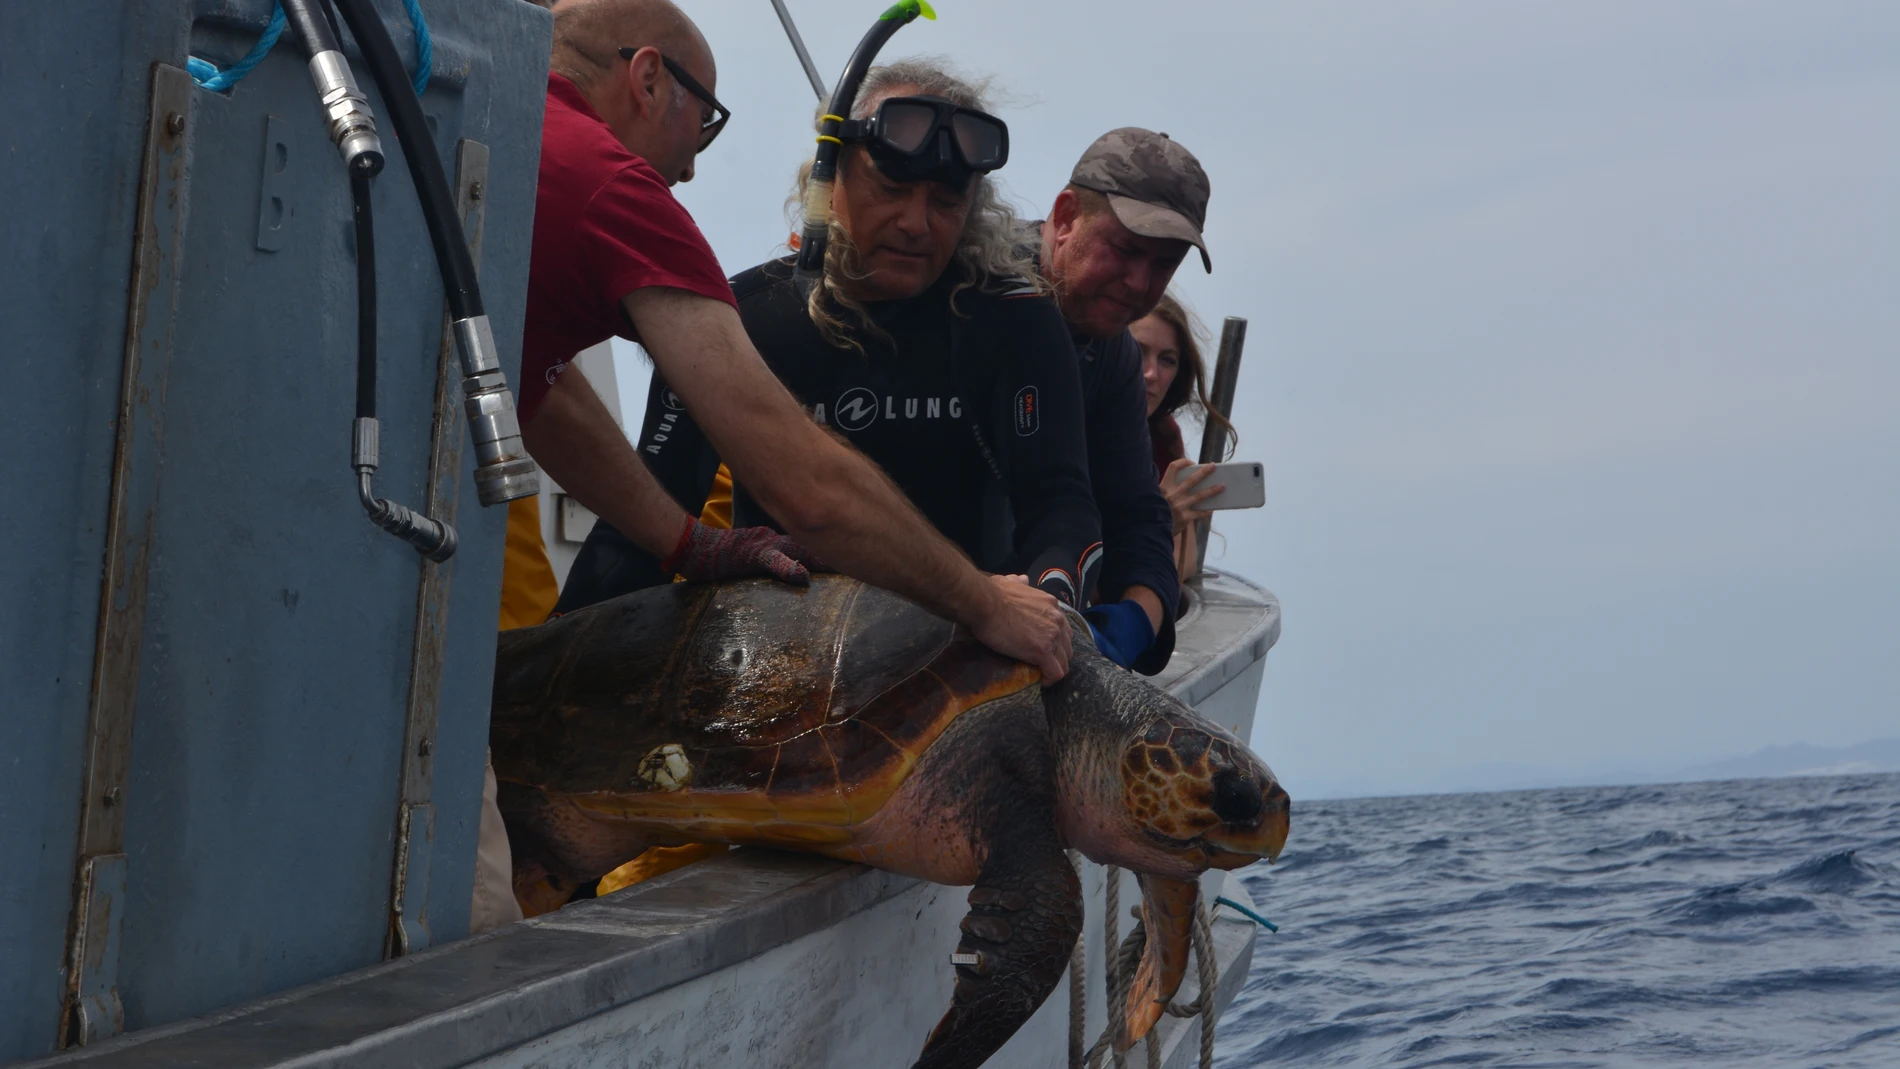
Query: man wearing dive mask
[924, 343]
[907, 209]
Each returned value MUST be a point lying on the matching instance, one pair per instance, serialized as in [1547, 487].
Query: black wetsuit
[976, 414]
[1137, 526]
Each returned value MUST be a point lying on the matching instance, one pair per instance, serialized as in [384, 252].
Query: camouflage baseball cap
[1156, 188]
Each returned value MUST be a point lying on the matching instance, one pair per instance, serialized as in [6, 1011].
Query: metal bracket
[97, 1011]
[92, 1007]
[409, 889]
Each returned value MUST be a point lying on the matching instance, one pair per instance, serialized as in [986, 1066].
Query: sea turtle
[846, 721]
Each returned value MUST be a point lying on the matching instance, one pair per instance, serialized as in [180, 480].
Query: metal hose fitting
[503, 469]
[431, 538]
[346, 112]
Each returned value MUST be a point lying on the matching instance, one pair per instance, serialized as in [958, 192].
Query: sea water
[1742, 923]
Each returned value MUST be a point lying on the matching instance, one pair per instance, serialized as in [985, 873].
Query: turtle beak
[1240, 843]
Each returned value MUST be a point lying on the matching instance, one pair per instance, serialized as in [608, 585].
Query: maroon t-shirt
[605, 224]
[1165, 435]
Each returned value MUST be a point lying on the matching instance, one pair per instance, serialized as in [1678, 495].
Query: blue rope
[425, 48]
[210, 77]
[1255, 917]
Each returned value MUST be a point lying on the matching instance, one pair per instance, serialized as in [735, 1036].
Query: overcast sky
[1573, 357]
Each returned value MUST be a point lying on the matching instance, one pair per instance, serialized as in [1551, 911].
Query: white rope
[1115, 986]
[1203, 1004]
[1078, 987]
[1118, 971]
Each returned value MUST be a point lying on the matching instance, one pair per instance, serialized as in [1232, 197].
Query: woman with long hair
[1176, 377]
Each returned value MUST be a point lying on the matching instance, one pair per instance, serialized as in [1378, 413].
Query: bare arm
[574, 439]
[829, 497]
[1149, 601]
[1180, 486]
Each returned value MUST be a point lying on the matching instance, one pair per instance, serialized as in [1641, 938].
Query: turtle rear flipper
[1025, 915]
[1167, 916]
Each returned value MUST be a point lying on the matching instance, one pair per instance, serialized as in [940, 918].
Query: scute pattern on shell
[787, 712]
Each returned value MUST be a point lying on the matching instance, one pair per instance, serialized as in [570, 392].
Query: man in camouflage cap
[1135, 203]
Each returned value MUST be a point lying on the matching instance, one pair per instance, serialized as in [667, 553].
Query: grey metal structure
[242, 731]
[1233, 338]
[798, 45]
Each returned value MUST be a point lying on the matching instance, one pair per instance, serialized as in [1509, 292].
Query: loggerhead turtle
[843, 720]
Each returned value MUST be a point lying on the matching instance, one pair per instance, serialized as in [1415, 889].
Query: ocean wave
[1690, 855]
[1300, 1043]
[1330, 853]
[1659, 837]
[1718, 905]
[1835, 873]
[1582, 993]
[1817, 980]
[1691, 926]
[1872, 1035]
[1607, 801]
[1560, 1022]
[1380, 938]
[1813, 813]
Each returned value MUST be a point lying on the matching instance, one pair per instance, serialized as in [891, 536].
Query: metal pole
[1233, 336]
[798, 46]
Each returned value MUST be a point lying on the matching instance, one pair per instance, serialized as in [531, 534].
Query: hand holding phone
[1237, 485]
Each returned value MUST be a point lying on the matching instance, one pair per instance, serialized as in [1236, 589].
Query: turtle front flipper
[1167, 918]
[996, 767]
[1025, 915]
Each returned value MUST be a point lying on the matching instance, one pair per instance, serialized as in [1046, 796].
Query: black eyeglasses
[708, 128]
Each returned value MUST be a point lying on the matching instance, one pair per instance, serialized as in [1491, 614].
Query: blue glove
[1121, 629]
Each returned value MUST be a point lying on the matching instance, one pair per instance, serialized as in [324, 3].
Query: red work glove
[708, 554]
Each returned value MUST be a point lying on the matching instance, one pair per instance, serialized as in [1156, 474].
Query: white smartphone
[1243, 483]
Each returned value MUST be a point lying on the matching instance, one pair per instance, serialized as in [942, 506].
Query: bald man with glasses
[630, 107]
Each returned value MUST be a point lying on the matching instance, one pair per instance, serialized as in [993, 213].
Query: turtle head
[1149, 784]
[1196, 792]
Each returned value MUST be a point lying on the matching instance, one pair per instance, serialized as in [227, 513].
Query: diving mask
[927, 138]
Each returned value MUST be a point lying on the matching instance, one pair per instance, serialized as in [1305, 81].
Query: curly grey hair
[991, 250]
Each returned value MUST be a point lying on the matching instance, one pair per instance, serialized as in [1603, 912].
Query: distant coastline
[1770, 762]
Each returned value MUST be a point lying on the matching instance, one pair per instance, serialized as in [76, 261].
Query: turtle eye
[1237, 798]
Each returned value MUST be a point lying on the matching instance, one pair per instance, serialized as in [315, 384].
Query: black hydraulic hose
[365, 298]
[503, 470]
[425, 166]
[815, 235]
[432, 538]
[352, 128]
[311, 26]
